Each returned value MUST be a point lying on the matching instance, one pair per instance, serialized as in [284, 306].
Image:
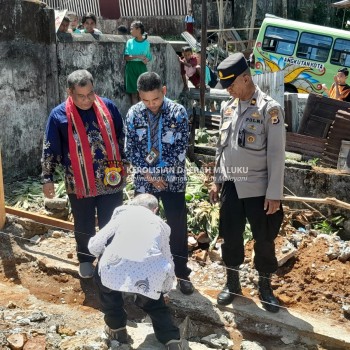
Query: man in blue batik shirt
[85, 134]
[156, 144]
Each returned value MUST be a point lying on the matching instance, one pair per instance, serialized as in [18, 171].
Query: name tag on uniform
[152, 156]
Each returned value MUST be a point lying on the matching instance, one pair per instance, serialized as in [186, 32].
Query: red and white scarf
[79, 147]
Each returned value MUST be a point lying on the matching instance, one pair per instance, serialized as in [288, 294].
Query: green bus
[310, 55]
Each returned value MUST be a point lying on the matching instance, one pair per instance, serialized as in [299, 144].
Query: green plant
[329, 226]
[314, 161]
[201, 136]
[247, 234]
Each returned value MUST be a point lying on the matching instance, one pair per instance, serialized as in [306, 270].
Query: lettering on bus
[303, 63]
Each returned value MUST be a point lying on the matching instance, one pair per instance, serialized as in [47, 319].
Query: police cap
[230, 68]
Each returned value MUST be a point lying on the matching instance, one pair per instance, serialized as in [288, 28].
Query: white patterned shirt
[138, 258]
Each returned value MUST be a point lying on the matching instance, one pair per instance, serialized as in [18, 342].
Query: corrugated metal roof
[340, 130]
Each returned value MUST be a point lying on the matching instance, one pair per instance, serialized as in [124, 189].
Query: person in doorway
[145, 269]
[137, 54]
[85, 134]
[74, 23]
[63, 28]
[156, 144]
[189, 22]
[251, 144]
[339, 90]
[89, 22]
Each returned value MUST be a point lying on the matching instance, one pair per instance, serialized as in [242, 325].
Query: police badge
[274, 116]
[113, 175]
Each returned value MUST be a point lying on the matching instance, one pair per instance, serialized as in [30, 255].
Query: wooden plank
[206, 150]
[319, 113]
[214, 94]
[303, 144]
[304, 139]
[43, 219]
[328, 200]
[2, 198]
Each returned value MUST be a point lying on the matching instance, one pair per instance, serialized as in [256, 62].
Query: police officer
[249, 174]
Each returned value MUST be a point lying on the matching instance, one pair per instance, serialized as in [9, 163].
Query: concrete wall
[33, 76]
[169, 26]
[27, 84]
[103, 57]
[304, 181]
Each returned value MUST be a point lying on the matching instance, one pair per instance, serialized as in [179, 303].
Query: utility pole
[203, 64]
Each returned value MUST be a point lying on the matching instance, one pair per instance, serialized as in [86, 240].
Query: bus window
[280, 40]
[314, 47]
[341, 53]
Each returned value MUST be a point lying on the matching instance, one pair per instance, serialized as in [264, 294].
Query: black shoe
[268, 300]
[225, 297]
[232, 287]
[186, 286]
[120, 334]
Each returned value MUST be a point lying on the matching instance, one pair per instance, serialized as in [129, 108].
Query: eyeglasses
[90, 96]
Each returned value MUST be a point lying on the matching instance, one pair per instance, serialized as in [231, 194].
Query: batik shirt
[172, 145]
[138, 258]
[56, 148]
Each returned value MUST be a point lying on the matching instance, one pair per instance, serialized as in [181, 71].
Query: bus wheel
[290, 88]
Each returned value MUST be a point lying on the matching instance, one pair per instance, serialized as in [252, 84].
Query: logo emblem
[112, 177]
[274, 116]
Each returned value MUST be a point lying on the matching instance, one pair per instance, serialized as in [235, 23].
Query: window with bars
[145, 8]
[80, 7]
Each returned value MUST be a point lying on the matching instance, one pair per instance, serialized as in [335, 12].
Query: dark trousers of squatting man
[233, 215]
[115, 317]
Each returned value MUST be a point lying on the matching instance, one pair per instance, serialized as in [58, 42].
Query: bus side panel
[305, 75]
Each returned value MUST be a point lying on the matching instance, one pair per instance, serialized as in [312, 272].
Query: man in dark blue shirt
[85, 135]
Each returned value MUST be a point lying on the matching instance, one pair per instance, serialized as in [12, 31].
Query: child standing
[74, 23]
[89, 22]
[137, 54]
[189, 21]
[190, 68]
[339, 89]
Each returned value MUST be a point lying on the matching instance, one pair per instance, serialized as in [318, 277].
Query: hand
[49, 190]
[159, 183]
[214, 193]
[335, 78]
[166, 298]
[324, 87]
[272, 205]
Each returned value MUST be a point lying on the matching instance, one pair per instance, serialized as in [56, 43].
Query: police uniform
[250, 166]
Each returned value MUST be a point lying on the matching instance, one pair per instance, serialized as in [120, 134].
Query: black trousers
[233, 215]
[112, 305]
[84, 210]
[175, 212]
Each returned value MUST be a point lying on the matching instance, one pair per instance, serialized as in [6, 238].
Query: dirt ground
[309, 282]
